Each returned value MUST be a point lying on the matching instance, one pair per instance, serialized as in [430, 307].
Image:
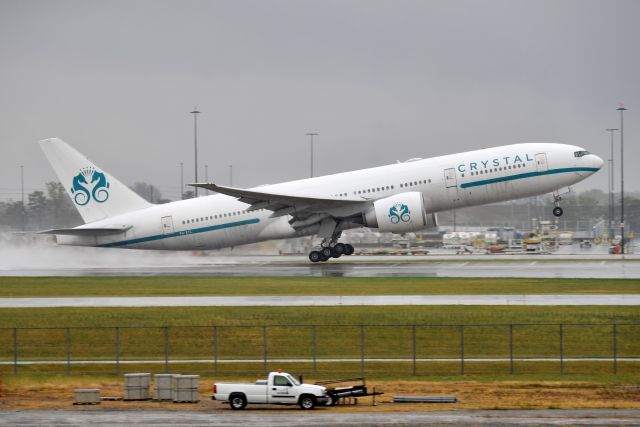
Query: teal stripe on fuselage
[180, 233]
[524, 175]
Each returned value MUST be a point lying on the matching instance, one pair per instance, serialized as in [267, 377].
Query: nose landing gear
[557, 211]
[330, 250]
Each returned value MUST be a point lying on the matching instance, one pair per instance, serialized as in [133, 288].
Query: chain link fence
[326, 350]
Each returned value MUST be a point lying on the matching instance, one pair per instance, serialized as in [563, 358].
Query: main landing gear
[557, 211]
[330, 250]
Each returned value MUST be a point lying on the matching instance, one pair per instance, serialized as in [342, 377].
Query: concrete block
[85, 396]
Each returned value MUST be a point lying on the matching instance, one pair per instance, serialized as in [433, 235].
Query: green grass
[483, 372]
[240, 330]
[193, 286]
[237, 316]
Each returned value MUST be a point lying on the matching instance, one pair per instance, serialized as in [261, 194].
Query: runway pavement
[49, 260]
[260, 417]
[352, 267]
[312, 300]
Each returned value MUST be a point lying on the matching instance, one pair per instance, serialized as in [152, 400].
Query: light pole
[195, 113]
[622, 110]
[311, 135]
[181, 181]
[230, 175]
[22, 193]
[206, 175]
[611, 185]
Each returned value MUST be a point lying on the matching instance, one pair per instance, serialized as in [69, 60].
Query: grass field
[183, 333]
[169, 286]
[188, 333]
[380, 315]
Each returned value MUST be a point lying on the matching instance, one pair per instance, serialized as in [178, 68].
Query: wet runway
[332, 301]
[73, 261]
[354, 267]
[320, 417]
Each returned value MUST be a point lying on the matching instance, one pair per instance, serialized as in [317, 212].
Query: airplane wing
[87, 231]
[290, 204]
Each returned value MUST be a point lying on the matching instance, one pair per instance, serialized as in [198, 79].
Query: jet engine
[400, 213]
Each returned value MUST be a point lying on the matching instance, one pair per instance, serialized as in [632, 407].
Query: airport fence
[326, 350]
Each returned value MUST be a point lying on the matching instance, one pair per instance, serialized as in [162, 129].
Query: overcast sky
[378, 80]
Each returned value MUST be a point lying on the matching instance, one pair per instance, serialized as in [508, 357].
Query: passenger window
[280, 380]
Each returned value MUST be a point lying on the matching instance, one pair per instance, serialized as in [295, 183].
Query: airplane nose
[597, 162]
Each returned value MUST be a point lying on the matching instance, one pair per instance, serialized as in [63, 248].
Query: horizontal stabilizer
[104, 231]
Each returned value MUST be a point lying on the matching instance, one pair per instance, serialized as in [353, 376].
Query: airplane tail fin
[94, 192]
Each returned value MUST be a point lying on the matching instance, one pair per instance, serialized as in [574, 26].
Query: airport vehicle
[398, 198]
[279, 389]
[585, 244]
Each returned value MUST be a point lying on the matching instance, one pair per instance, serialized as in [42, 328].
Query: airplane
[398, 198]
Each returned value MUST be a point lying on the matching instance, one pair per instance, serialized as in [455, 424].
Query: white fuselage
[453, 181]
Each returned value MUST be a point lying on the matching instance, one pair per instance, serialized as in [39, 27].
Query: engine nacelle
[400, 213]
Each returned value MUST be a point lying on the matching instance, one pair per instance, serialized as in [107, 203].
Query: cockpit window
[580, 153]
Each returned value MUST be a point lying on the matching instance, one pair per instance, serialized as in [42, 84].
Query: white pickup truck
[279, 389]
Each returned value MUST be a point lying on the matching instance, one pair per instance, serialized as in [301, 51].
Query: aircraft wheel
[348, 249]
[315, 256]
[557, 211]
[339, 249]
[327, 252]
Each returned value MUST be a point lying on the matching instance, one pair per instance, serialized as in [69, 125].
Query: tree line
[53, 208]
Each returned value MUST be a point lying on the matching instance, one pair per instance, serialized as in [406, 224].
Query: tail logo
[399, 212]
[89, 184]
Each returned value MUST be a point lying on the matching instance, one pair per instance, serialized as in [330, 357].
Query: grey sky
[379, 80]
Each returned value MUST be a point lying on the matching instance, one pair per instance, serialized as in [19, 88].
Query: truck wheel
[237, 401]
[307, 402]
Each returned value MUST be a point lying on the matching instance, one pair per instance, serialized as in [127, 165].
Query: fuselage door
[167, 225]
[541, 162]
[450, 178]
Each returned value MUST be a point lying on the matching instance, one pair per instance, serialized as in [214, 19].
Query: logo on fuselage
[505, 161]
[399, 212]
[89, 184]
